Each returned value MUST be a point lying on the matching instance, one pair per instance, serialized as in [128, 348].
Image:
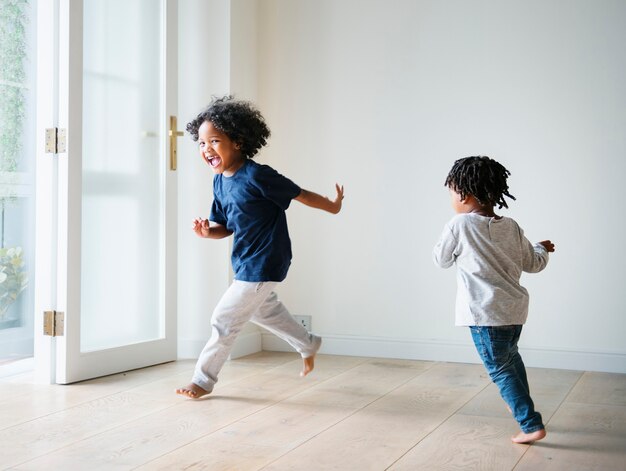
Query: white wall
[203, 265]
[217, 56]
[383, 97]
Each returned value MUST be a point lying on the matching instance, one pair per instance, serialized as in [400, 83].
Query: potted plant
[13, 278]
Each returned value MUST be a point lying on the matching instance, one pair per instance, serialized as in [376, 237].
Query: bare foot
[307, 366]
[529, 437]
[192, 391]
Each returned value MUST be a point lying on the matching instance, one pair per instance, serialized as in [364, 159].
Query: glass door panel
[17, 189]
[122, 208]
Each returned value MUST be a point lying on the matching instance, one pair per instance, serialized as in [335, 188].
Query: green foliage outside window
[13, 19]
[12, 55]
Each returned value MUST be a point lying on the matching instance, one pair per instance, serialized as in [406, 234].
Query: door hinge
[55, 140]
[53, 323]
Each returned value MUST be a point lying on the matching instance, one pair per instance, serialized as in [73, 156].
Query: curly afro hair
[481, 177]
[239, 120]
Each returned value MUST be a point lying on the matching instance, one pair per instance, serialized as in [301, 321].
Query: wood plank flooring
[349, 414]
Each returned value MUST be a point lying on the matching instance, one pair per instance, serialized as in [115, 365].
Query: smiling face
[221, 153]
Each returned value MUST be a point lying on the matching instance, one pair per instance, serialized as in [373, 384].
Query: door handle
[173, 133]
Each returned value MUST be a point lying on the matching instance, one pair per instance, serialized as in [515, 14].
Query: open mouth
[214, 161]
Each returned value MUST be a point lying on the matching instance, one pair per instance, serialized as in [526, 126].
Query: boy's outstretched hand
[339, 199]
[549, 246]
[314, 200]
[201, 227]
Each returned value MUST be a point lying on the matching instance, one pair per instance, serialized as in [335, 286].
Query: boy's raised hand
[549, 246]
[315, 200]
[201, 227]
[339, 199]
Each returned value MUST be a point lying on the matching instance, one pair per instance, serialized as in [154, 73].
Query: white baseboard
[607, 362]
[455, 352]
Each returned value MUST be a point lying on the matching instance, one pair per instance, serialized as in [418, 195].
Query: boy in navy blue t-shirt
[250, 201]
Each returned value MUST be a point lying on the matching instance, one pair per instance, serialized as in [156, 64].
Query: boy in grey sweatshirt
[490, 253]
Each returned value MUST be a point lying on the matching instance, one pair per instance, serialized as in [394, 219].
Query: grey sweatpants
[242, 302]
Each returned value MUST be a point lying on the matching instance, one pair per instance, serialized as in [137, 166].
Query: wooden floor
[349, 414]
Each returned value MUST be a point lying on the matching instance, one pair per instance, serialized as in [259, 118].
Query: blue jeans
[497, 347]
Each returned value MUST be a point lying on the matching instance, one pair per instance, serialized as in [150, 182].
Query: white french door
[107, 76]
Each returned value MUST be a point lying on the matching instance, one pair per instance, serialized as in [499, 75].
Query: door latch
[174, 133]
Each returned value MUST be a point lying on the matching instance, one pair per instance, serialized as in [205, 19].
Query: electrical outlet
[304, 321]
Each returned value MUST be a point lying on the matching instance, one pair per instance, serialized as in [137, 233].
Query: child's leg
[521, 369]
[235, 308]
[497, 347]
[525, 437]
[274, 316]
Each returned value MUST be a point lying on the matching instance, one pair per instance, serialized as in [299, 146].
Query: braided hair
[239, 120]
[481, 177]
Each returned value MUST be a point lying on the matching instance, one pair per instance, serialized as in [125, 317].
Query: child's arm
[314, 200]
[536, 255]
[444, 252]
[209, 229]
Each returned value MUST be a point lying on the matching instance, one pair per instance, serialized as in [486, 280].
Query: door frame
[59, 202]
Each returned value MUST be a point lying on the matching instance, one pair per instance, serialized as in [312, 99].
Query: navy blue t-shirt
[252, 205]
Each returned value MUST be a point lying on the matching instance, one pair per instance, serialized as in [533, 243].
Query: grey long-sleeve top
[490, 255]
